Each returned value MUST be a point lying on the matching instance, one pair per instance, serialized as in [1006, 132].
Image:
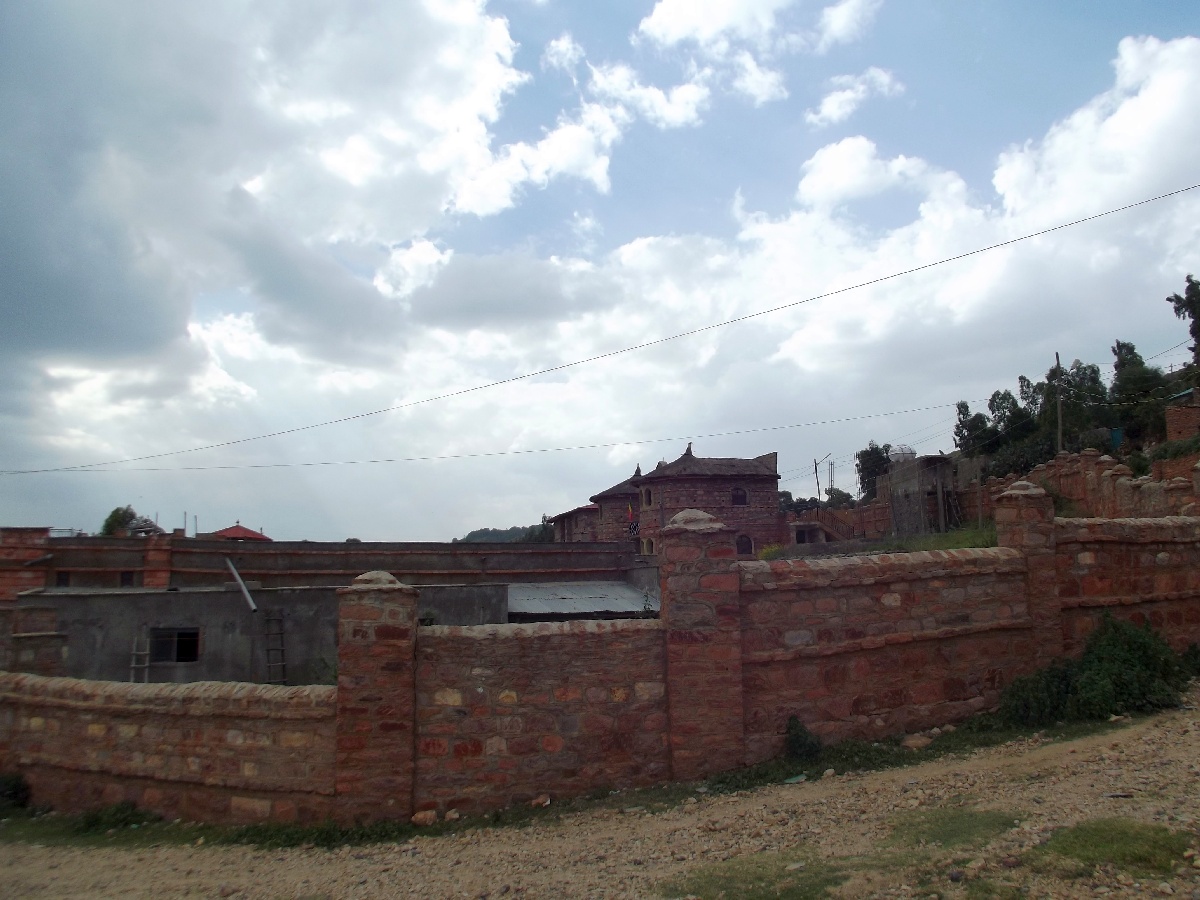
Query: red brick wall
[508, 712]
[17, 547]
[876, 645]
[1183, 422]
[208, 752]
[1142, 570]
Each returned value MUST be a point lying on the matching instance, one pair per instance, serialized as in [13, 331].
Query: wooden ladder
[139, 659]
[276, 656]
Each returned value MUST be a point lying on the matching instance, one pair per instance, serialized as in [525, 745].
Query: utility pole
[817, 473]
[1058, 366]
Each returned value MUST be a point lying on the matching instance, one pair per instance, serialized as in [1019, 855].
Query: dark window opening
[174, 645]
[126, 579]
[62, 579]
[649, 497]
[801, 536]
[739, 497]
[745, 546]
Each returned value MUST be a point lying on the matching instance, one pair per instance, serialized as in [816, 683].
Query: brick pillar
[156, 562]
[700, 606]
[1025, 522]
[376, 699]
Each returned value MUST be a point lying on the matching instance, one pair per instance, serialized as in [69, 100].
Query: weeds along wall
[218, 752]
[435, 718]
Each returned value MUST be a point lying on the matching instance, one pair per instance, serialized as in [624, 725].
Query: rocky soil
[1149, 772]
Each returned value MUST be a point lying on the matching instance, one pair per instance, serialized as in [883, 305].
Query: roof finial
[637, 473]
[688, 451]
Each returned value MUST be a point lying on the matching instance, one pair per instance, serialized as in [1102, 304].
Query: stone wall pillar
[376, 700]
[1025, 522]
[701, 608]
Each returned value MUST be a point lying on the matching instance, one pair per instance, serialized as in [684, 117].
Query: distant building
[742, 493]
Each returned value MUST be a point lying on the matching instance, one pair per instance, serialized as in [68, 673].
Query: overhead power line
[612, 353]
[482, 455]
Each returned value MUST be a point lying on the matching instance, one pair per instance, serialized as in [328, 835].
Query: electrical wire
[613, 353]
[487, 454]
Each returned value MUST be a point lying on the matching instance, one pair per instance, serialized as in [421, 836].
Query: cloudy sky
[224, 224]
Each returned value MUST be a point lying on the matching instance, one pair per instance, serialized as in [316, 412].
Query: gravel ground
[1149, 772]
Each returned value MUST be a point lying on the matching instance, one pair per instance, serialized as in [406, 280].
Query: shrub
[1124, 668]
[800, 744]
[14, 792]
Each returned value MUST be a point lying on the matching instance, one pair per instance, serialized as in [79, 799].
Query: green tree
[870, 463]
[973, 433]
[118, 520]
[839, 499]
[1138, 395]
[1188, 307]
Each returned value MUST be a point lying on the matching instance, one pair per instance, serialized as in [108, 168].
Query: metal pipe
[241, 584]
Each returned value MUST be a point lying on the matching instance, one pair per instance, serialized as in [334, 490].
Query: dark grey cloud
[509, 291]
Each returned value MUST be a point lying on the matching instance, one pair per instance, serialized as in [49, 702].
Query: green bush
[799, 744]
[14, 792]
[1124, 669]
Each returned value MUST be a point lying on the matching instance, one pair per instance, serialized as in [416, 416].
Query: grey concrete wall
[100, 629]
[463, 604]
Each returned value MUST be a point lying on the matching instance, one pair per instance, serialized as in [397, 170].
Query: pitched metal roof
[689, 465]
[623, 489]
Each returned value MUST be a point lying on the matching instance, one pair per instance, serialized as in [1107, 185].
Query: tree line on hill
[1020, 431]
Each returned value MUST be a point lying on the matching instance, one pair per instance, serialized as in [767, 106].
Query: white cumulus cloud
[844, 22]
[679, 106]
[711, 23]
[562, 53]
[850, 92]
[759, 84]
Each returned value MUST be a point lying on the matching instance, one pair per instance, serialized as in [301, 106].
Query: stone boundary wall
[870, 646]
[1144, 570]
[425, 720]
[506, 713]
[208, 751]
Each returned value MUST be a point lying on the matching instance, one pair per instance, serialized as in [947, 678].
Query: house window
[801, 536]
[745, 546]
[174, 645]
[649, 496]
[126, 579]
[647, 547]
[739, 497]
[62, 579]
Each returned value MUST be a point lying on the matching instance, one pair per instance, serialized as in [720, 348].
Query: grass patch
[1138, 847]
[101, 828]
[956, 539]
[764, 876]
[950, 827]
[987, 889]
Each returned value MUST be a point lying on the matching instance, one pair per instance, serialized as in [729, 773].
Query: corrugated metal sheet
[577, 597]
